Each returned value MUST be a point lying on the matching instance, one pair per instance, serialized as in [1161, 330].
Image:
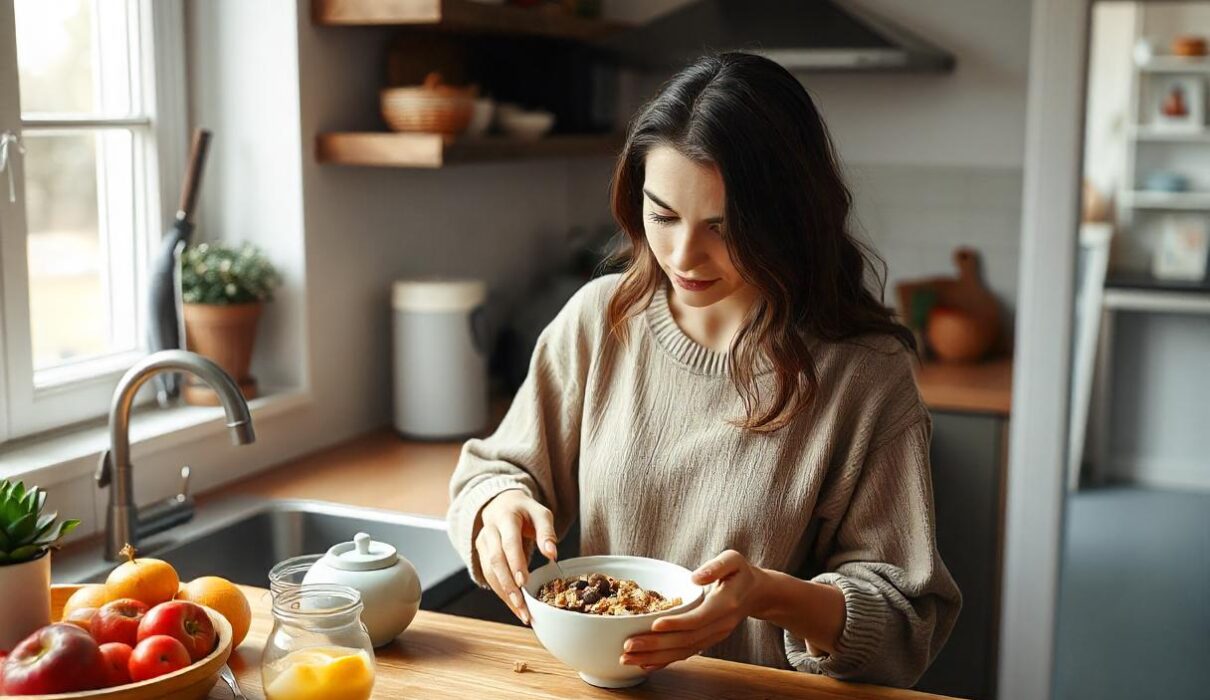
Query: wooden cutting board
[965, 292]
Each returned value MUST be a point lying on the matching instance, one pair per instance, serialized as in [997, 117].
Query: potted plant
[26, 538]
[224, 289]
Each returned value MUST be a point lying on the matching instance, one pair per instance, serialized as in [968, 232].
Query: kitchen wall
[942, 169]
[934, 159]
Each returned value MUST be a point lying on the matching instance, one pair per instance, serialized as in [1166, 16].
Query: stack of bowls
[432, 108]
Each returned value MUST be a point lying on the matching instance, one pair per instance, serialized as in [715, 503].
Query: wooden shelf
[463, 16]
[400, 150]
[1168, 201]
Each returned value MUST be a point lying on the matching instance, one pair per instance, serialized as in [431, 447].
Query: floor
[1134, 599]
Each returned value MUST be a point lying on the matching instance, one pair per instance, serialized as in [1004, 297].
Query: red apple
[155, 656]
[81, 617]
[118, 621]
[58, 658]
[116, 663]
[185, 622]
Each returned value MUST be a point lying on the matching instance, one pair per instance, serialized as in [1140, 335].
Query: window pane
[54, 55]
[75, 56]
[78, 307]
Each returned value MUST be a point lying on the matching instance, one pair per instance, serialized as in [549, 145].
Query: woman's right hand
[507, 522]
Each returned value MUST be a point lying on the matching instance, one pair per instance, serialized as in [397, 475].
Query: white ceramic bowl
[481, 116]
[528, 126]
[591, 644]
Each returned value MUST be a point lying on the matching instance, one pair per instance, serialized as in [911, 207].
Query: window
[91, 105]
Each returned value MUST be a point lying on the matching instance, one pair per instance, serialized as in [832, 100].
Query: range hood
[802, 35]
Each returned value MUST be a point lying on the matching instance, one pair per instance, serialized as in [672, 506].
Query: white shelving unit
[1140, 212]
[1153, 147]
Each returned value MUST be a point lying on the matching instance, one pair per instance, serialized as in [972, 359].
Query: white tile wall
[915, 216]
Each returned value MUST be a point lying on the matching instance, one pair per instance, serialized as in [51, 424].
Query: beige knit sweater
[634, 440]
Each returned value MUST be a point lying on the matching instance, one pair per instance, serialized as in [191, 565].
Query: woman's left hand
[736, 595]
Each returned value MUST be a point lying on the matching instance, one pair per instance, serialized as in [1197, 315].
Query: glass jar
[288, 574]
[318, 647]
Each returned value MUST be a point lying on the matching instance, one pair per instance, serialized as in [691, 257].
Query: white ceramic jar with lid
[389, 584]
[440, 346]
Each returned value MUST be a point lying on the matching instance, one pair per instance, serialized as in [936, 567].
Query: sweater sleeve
[900, 601]
[536, 447]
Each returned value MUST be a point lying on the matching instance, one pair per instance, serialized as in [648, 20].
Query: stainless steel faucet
[123, 524]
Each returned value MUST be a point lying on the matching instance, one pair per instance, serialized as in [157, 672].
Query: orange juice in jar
[321, 673]
[318, 649]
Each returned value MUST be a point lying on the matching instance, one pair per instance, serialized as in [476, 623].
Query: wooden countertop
[442, 656]
[984, 387]
[375, 470]
[381, 470]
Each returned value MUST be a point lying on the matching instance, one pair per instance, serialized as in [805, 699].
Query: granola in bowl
[598, 594]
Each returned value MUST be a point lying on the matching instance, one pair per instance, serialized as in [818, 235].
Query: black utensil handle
[193, 176]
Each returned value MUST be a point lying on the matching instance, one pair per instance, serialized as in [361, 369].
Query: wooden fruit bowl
[190, 683]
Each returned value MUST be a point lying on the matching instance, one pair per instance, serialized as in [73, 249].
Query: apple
[81, 617]
[58, 658]
[115, 658]
[185, 622]
[155, 656]
[118, 621]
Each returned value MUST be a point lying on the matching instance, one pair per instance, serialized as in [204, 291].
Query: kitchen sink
[241, 539]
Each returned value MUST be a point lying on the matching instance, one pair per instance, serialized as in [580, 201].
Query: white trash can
[440, 348]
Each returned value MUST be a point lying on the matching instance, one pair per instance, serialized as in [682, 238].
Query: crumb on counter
[520, 667]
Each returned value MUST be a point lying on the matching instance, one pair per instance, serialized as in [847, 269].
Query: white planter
[24, 600]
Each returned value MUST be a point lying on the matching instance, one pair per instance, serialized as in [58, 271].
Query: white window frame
[71, 396]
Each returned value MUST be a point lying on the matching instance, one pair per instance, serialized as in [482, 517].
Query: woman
[736, 400]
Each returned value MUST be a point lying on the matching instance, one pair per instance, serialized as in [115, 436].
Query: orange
[93, 595]
[149, 581]
[224, 597]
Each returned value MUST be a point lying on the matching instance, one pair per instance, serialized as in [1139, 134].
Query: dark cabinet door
[967, 463]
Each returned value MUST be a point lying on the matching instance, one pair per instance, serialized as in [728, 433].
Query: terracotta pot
[24, 600]
[958, 336]
[227, 335]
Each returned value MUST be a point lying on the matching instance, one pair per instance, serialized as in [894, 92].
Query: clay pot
[958, 336]
[227, 335]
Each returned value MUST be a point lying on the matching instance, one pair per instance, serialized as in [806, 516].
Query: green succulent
[215, 273]
[24, 534]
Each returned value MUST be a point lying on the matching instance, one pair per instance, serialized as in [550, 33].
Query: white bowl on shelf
[591, 644]
[523, 124]
[482, 114]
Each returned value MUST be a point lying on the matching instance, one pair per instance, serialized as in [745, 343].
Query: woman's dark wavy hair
[786, 224]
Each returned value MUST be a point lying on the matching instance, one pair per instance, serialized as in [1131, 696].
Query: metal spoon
[226, 674]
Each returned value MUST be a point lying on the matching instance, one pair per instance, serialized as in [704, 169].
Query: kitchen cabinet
[968, 461]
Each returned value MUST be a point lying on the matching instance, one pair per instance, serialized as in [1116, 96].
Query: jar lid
[435, 294]
[362, 554]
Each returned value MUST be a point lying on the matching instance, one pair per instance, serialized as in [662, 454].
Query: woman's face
[683, 205]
